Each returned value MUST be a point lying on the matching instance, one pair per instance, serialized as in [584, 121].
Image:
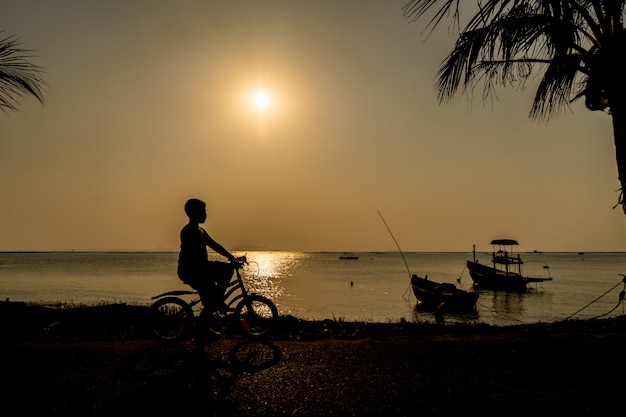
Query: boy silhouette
[209, 278]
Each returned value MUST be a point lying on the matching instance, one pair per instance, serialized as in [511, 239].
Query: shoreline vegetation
[101, 361]
[121, 321]
[175, 251]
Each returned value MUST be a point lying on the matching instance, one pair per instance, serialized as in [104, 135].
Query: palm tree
[580, 45]
[18, 76]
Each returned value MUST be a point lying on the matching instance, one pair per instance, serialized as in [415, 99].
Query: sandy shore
[318, 368]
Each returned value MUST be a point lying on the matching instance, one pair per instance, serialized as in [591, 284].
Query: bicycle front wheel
[172, 319]
[256, 315]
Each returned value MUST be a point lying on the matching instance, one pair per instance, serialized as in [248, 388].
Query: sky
[150, 102]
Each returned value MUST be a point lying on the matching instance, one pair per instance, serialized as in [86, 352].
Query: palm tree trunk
[618, 114]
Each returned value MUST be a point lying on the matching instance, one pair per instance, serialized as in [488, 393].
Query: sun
[261, 100]
[262, 105]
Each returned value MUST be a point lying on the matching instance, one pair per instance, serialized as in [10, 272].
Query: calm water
[317, 286]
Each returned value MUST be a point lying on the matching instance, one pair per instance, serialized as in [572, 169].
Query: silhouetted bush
[122, 322]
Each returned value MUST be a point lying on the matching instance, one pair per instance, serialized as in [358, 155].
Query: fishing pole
[396, 242]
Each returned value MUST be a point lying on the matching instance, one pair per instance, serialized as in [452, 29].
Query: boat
[443, 297]
[505, 272]
[348, 256]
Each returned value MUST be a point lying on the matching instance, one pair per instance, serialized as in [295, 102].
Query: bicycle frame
[253, 314]
[235, 284]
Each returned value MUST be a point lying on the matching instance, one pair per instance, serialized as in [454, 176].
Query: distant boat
[443, 297]
[505, 273]
[348, 256]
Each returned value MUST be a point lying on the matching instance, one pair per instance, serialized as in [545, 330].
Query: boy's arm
[217, 247]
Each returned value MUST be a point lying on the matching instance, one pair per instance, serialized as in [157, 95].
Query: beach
[312, 368]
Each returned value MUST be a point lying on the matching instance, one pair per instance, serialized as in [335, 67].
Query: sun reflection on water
[267, 271]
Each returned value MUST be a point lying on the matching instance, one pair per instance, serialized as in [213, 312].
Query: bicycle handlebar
[239, 262]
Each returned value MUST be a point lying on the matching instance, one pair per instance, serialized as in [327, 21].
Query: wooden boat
[348, 256]
[505, 272]
[443, 297]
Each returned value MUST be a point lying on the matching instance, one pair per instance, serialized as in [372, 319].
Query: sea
[319, 285]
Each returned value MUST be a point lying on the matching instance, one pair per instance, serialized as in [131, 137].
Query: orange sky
[150, 103]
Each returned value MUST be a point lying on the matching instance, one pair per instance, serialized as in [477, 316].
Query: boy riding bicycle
[209, 278]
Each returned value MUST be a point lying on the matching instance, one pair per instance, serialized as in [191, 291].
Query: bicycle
[252, 314]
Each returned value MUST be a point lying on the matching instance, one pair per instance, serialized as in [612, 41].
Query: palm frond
[18, 76]
[506, 50]
[555, 89]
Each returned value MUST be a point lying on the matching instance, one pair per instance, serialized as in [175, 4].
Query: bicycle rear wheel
[172, 319]
[256, 315]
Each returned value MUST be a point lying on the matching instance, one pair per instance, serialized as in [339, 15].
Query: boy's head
[195, 208]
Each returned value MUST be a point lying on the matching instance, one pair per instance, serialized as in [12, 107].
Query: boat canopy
[504, 242]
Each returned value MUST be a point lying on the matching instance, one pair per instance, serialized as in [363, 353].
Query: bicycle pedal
[244, 324]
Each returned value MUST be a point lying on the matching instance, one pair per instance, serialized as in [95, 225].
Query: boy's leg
[202, 332]
[221, 273]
